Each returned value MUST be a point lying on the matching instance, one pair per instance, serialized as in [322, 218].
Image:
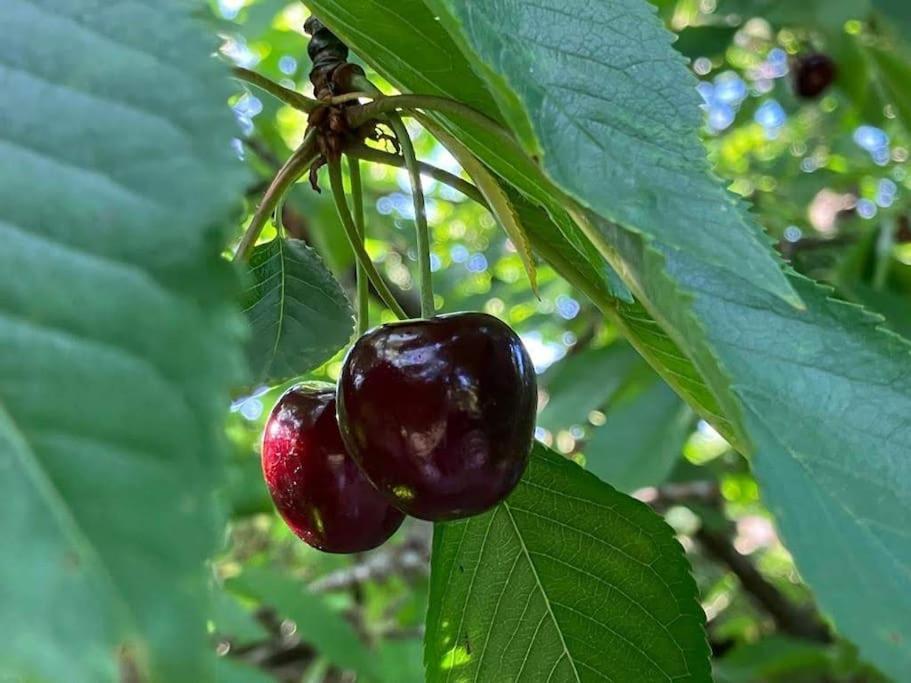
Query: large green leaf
[120, 337]
[602, 285]
[825, 395]
[614, 114]
[299, 314]
[566, 580]
[642, 438]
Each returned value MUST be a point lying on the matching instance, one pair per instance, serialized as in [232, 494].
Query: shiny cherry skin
[813, 73]
[440, 413]
[317, 488]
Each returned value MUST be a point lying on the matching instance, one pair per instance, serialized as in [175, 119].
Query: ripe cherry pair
[432, 418]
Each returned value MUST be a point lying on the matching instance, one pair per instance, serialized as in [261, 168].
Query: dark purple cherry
[813, 73]
[440, 413]
[316, 486]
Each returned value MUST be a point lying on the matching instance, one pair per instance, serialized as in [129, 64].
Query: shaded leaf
[586, 381]
[776, 658]
[119, 334]
[235, 622]
[299, 314]
[641, 440]
[229, 670]
[317, 623]
[566, 580]
[897, 10]
[893, 74]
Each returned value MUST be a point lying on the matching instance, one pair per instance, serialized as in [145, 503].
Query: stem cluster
[339, 126]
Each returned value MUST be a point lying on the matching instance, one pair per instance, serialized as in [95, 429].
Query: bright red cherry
[316, 486]
[440, 413]
[813, 73]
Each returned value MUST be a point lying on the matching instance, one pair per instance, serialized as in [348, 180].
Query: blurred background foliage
[828, 178]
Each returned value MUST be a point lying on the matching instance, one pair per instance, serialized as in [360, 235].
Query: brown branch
[789, 618]
[410, 558]
[795, 620]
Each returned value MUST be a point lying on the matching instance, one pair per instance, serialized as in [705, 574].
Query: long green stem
[360, 115]
[378, 156]
[884, 245]
[338, 192]
[286, 95]
[287, 175]
[357, 199]
[420, 213]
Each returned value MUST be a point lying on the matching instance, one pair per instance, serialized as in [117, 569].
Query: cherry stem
[357, 200]
[286, 95]
[378, 156]
[383, 104]
[338, 192]
[420, 213]
[287, 175]
[350, 97]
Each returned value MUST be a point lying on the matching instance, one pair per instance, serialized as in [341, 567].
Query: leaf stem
[378, 156]
[383, 104]
[420, 213]
[357, 199]
[286, 95]
[351, 97]
[287, 175]
[338, 192]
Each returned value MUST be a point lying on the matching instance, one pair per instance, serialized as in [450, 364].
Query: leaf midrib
[547, 603]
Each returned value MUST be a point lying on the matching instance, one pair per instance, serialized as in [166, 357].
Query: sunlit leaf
[566, 580]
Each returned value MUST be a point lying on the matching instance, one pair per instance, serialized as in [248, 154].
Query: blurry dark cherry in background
[440, 413]
[316, 486]
[812, 74]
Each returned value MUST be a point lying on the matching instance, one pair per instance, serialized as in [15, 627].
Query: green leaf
[120, 337]
[614, 113]
[579, 261]
[824, 396]
[566, 580]
[232, 671]
[584, 382]
[400, 661]
[776, 658]
[641, 440]
[235, 622]
[897, 10]
[299, 314]
[893, 73]
[317, 623]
